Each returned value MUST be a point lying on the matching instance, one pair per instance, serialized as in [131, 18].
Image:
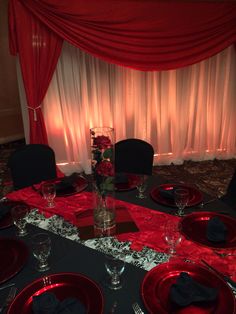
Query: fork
[7, 286]
[11, 295]
[137, 309]
[208, 202]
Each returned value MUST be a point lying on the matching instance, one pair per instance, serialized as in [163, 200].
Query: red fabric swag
[141, 34]
[145, 35]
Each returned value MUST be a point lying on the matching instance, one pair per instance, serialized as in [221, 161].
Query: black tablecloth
[153, 181]
[69, 256]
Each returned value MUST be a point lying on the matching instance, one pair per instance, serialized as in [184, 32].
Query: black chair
[133, 156]
[32, 164]
[230, 197]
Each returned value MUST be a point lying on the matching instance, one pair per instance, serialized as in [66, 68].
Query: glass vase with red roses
[102, 150]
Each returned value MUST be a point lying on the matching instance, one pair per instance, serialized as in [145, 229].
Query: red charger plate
[14, 254]
[195, 195]
[194, 226]
[78, 185]
[63, 285]
[156, 285]
[133, 181]
[6, 221]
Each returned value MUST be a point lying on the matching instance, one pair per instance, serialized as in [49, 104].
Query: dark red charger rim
[196, 196]
[63, 285]
[194, 228]
[156, 285]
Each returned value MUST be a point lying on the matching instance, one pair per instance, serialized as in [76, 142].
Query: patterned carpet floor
[211, 176]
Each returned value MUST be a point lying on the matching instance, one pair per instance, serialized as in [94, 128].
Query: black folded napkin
[66, 183]
[71, 306]
[5, 208]
[170, 194]
[216, 230]
[47, 303]
[121, 178]
[186, 291]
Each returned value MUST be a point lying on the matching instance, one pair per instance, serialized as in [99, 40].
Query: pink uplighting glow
[173, 111]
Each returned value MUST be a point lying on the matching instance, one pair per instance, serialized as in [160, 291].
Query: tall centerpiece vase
[102, 150]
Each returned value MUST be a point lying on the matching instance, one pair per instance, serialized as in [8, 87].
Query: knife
[226, 278]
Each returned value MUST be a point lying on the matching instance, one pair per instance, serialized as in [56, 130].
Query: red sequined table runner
[150, 224]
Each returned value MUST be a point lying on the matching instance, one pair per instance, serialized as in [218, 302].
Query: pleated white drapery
[189, 113]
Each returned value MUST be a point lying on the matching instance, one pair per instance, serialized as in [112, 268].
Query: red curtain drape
[39, 50]
[141, 34]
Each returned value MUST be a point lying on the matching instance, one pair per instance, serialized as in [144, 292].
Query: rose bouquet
[102, 164]
[103, 175]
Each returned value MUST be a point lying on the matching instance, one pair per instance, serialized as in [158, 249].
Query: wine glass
[141, 186]
[49, 193]
[41, 247]
[19, 214]
[114, 267]
[181, 200]
[172, 236]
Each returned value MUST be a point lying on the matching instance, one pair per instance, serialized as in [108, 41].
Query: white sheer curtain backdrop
[189, 113]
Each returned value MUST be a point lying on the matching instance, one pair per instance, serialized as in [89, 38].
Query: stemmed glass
[181, 200]
[49, 193]
[41, 247]
[141, 186]
[19, 214]
[172, 236]
[114, 267]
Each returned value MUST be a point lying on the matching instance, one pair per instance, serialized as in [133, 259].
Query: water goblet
[141, 186]
[172, 236]
[19, 214]
[49, 193]
[114, 267]
[41, 247]
[181, 200]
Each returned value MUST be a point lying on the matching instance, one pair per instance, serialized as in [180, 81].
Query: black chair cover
[133, 156]
[230, 196]
[32, 164]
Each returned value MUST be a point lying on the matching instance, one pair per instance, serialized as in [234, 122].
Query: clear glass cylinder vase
[102, 162]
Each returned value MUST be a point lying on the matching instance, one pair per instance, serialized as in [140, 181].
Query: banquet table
[70, 256]
[155, 180]
[144, 249]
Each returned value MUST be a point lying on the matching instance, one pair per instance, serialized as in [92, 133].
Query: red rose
[101, 141]
[105, 168]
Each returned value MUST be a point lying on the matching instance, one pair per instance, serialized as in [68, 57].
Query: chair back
[32, 164]
[230, 197]
[134, 156]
